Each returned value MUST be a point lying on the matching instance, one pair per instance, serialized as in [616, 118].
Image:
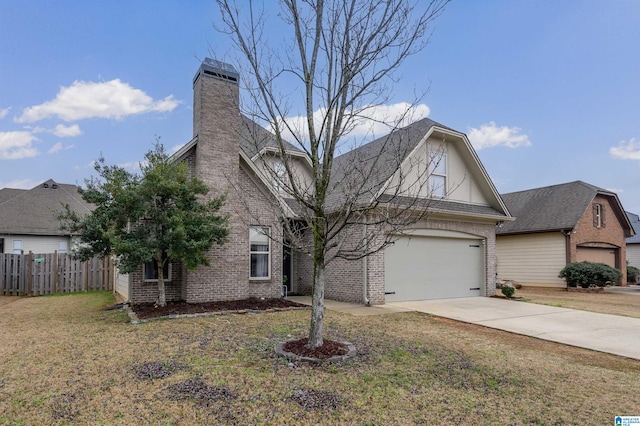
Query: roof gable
[33, 212]
[380, 160]
[551, 208]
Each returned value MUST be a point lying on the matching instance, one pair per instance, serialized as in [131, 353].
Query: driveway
[601, 332]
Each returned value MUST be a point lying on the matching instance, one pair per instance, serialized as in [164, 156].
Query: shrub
[508, 291]
[586, 274]
[632, 274]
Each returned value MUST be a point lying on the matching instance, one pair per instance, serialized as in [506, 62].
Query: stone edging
[293, 357]
[136, 320]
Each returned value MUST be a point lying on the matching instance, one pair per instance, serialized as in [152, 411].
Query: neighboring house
[557, 225]
[28, 221]
[633, 243]
[450, 253]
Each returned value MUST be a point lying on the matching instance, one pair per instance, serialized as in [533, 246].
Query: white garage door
[427, 267]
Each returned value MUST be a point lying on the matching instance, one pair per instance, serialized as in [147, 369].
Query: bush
[587, 274]
[632, 274]
[508, 291]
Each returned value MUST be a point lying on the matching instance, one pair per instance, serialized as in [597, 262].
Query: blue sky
[548, 91]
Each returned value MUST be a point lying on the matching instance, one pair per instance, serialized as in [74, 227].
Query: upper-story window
[438, 174]
[280, 178]
[599, 216]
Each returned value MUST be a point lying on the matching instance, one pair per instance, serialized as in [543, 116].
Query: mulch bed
[149, 310]
[328, 349]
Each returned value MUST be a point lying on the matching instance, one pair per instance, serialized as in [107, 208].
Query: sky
[548, 91]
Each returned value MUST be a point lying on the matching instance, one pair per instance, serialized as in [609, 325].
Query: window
[598, 216]
[438, 174]
[280, 178]
[17, 246]
[1, 245]
[150, 271]
[63, 247]
[260, 250]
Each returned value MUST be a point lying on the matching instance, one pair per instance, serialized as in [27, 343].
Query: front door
[287, 277]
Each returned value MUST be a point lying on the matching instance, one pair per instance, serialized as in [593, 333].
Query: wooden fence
[40, 274]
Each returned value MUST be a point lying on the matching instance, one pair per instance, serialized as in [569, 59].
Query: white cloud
[59, 147]
[90, 164]
[490, 135]
[4, 112]
[110, 99]
[56, 148]
[19, 184]
[63, 131]
[16, 145]
[375, 120]
[626, 150]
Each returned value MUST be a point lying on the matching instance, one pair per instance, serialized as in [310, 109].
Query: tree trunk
[162, 300]
[317, 309]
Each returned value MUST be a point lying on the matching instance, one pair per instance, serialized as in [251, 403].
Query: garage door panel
[597, 255]
[419, 268]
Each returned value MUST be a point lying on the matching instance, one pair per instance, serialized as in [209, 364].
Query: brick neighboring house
[28, 217]
[557, 225]
[633, 243]
[449, 254]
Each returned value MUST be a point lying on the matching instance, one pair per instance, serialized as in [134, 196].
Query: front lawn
[65, 360]
[605, 303]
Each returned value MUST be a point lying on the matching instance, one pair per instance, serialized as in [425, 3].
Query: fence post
[29, 273]
[55, 271]
[86, 276]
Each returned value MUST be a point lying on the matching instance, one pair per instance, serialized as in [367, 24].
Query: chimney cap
[217, 69]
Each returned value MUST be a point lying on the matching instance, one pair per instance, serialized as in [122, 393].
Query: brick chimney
[216, 123]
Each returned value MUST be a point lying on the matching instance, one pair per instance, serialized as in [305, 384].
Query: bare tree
[340, 62]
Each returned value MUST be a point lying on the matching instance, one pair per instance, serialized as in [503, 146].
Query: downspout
[365, 271]
[567, 235]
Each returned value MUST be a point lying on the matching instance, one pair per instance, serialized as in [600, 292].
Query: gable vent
[217, 69]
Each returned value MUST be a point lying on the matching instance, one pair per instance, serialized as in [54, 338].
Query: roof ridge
[575, 182]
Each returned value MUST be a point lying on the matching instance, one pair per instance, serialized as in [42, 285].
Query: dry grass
[64, 360]
[606, 303]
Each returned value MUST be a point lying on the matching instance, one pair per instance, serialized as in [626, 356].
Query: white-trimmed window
[438, 174]
[260, 252]
[150, 271]
[17, 246]
[598, 216]
[63, 247]
[280, 178]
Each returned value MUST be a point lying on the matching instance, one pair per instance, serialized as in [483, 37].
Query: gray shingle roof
[635, 222]
[8, 193]
[552, 208]
[254, 138]
[374, 162]
[33, 212]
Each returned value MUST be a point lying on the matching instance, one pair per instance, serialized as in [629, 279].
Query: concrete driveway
[601, 332]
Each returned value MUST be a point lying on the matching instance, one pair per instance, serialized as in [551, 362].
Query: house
[557, 225]
[29, 217]
[633, 243]
[449, 253]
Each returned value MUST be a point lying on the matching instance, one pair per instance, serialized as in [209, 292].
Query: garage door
[598, 255]
[426, 267]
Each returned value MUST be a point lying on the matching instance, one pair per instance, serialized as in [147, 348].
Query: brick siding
[585, 233]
